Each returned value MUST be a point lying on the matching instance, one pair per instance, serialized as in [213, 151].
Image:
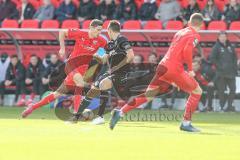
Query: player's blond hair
[196, 19]
[96, 23]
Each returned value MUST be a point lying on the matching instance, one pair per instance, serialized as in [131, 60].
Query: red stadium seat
[220, 4]
[50, 24]
[86, 24]
[139, 3]
[29, 24]
[217, 25]
[153, 25]
[183, 3]
[132, 24]
[202, 4]
[70, 24]
[174, 25]
[35, 3]
[9, 24]
[235, 25]
[105, 24]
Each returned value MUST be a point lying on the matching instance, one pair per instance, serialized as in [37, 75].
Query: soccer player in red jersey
[86, 43]
[170, 71]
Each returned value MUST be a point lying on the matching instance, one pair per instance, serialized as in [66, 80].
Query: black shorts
[119, 81]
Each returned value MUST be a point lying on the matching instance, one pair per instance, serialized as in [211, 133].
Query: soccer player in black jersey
[119, 55]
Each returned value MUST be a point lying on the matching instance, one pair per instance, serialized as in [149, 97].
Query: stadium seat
[9, 24]
[29, 24]
[76, 3]
[86, 24]
[132, 24]
[139, 3]
[174, 25]
[50, 24]
[70, 24]
[153, 25]
[202, 4]
[183, 3]
[35, 3]
[235, 25]
[220, 4]
[105, 24]
[217, 25]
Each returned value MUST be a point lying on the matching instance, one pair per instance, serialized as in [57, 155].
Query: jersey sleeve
[74, 33]
[190, 44]
[124, 44]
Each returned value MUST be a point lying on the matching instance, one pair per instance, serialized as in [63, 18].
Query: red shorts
[69, 82]
[166, 75]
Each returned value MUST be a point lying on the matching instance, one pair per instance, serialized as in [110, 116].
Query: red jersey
[181, 49]
[84, 44]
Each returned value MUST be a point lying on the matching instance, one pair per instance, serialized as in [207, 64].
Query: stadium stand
[217, 25]
[70, 24]
[29, 24]
[174, 25]
[153, 25]
[10, 24]
[50, 24]
[132, 24]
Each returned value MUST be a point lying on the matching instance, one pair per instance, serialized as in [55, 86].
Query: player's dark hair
[96, 23]
[34, 55]
[196, 19]
[114, 26]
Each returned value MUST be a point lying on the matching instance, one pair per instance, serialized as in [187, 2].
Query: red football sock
[76, 102]
[44, 101]
[191, 106]
[77, 99]
[136, 102]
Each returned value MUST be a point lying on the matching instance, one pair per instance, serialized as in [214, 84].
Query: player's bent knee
[78, 80]
[105, 84]
[198, 90]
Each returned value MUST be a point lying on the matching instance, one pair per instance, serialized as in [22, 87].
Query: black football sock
[103, 103]
[84, 104]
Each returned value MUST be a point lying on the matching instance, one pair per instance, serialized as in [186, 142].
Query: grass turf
[44, 137]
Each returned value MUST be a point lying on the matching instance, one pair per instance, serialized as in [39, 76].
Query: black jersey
[117, 51]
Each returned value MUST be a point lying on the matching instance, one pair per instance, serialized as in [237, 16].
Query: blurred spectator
[105, 10]
[148, 10]
[45, 12]
[86, 10]
[205, 74]
[47, 60]
[224, 57]
[127, 11]
[231, 12]
[66, 10]
[137, 63]
[211, 12]
[187, 12]
[55, 62]
[15, 76]
[4, 62]
[33, 77]
[168, 10]
[26, 11]
[8, 10]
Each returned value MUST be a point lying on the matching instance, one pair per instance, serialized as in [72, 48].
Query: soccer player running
[118, 56]
[86, 43]
[170, 71]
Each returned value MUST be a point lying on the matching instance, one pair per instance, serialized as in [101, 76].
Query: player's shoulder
[122, 38]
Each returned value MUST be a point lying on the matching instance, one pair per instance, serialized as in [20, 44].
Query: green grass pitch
[43, 137]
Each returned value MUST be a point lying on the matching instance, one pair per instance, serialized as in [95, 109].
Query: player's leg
[46, 100]
[191, 86]
[157, 86]
[104, 83]
[103, 102]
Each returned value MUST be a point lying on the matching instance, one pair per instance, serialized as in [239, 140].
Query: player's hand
[62, 52]
[191, 73]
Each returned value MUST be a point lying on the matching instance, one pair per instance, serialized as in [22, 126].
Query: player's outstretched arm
[62, 35]
[128, 59]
